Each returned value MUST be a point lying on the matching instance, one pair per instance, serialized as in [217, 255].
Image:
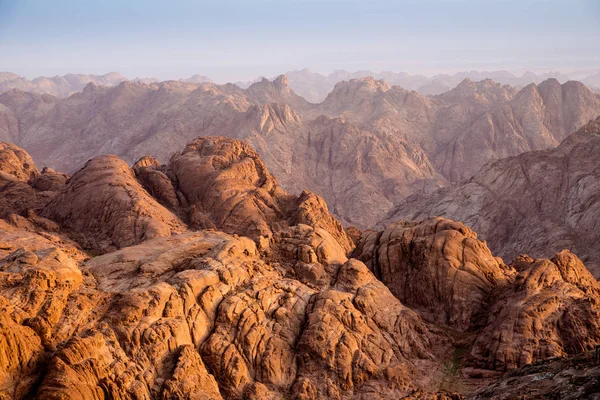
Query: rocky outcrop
[553, 309]
[531, 310]
[311, 210]
[16, 163]
[106, 208]
[23, 189]
[202, 314]
[356, 307]
[49, 180]
[226, 185]
[436, 266]
[151, 175]
[537, 203]
[38, 274]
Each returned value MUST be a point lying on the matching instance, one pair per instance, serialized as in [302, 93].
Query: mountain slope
[538, 202]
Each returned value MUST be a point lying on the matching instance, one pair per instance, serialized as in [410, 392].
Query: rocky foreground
[204, 279]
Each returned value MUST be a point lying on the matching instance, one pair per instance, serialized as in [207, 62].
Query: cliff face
[366, 147]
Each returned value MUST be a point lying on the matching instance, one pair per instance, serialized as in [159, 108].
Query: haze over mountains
[313, 86]
[203, 225]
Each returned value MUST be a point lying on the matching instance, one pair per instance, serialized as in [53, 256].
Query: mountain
[314, 87]
[537, 117]
[203, 278]
[197, 79]
[538, 202]
[159, 119]
[474, 123]
[60, 86]
[66, 85]
[440, 269]
[366, 147]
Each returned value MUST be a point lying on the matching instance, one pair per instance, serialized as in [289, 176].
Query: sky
[231, 40]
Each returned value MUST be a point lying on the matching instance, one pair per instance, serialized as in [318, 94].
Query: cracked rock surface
[204, 279]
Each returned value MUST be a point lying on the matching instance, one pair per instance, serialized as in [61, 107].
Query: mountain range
[365, 148]
[313, 86]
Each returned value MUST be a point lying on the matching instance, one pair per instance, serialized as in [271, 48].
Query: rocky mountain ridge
[203, 278]
[539, 202]
[366, 147]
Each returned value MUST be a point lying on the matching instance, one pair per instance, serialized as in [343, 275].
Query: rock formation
[200, 314]
[106, 207]
[23, 189]
[216, 182]
[16, 163]
[226, 182]
[216, 283]
[553, 309]
[502, 317]
[437, 266]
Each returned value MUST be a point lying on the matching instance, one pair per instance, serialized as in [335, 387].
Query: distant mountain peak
[282, 82]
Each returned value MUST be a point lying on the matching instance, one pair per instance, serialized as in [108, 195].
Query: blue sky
[238, 40]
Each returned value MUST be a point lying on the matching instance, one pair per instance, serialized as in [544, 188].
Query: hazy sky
[238, 40]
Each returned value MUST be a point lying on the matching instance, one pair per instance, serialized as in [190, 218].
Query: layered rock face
[366, 147]
[538, 202]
